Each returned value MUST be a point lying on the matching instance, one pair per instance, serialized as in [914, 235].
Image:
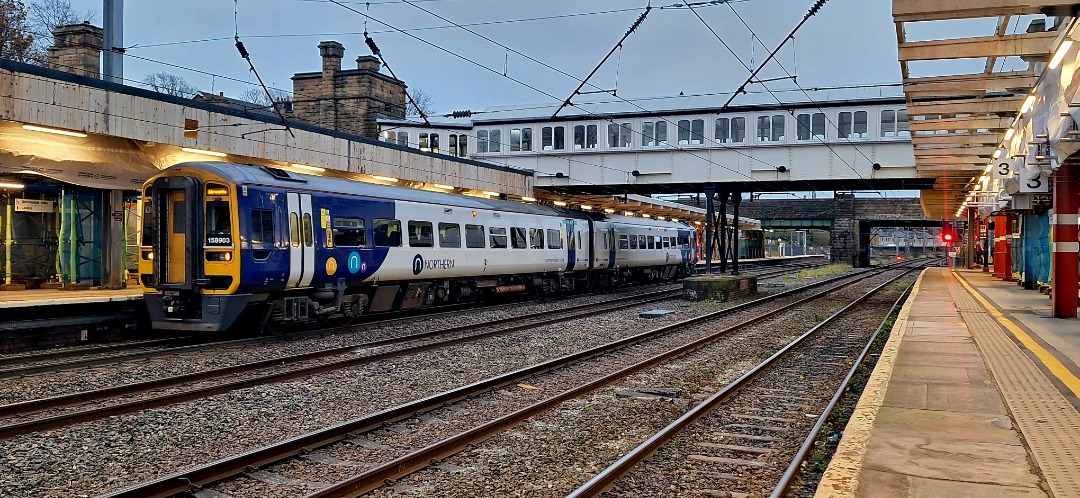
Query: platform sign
[1038, 185]
[34, 206]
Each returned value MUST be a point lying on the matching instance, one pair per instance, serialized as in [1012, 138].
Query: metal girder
[959, 151]
[934, 10]
[1008, 105]
[965, 123]
[969, 84]
[1022, 45]
[927, 141]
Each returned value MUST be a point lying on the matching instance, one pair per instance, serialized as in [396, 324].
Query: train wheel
[270, 323]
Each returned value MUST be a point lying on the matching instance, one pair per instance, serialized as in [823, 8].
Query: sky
[849, 42]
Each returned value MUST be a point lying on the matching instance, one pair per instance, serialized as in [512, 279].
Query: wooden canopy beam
[966, 123]
[936, 10]
[1008, 105]
[969, 84]
[956, 139]
[981, 151]
[1022, 45]
[973, 161]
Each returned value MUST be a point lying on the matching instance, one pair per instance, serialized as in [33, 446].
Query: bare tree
[170, 84]
[258, 96]
[424, 100]
[16, 38]
[45, 16]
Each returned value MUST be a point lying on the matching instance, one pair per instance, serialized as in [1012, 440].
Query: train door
[301, 240]
[176, 257]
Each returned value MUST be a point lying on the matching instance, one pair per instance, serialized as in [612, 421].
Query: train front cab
[188, 262]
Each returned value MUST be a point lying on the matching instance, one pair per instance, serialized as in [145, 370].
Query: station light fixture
[675, 219]
[997, 153]
[586, 207]
[528, 199]
[1009, 133]
[55, 131]
[646, 216]
[203, 152]
[609, 210]
[560, 203]
[11, 185]
[661, 218]
[493, 194]
[385, 178]
[1029, 102]
[309, 168]
[1060, 54]
[628, 213]
[444, 187]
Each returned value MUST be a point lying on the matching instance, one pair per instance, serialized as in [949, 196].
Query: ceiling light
[997, 153]
[493, 194]
[444, 187]
[661, 218]
[11, 185]
[988, 168]
[309, 168]
[385, 178]
[1028, 103]
[528, 199]
[646, 216]
[609, 210]
[1060, 54]
[560, 203]
[676, 219]
[628, 213]
[55, 131]
[586, 207]
[1009, 133]
[204, 152]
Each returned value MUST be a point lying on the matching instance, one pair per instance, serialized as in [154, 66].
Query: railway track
[398, 467]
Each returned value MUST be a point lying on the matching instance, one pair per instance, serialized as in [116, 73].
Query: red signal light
[948, 237]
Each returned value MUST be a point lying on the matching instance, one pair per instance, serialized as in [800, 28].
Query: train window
[148, 221]
[554, 240]
[633, 242]
[691, 131]
[262, 226]
[403, 138]
[517, 238]
[474, 236]
[651, 242]
[624, 242]
[498, 238]
[667, 243]
[641, 242]
[585, 137]
[520, 139]
[618, 135]
[654, 134]
[349, 232]
[579, 240]
[553, 138]
[420, 234]
[387, 232]
[450, 234]
[309, 234]
[179, 216]
[294, 229]
[536, 238]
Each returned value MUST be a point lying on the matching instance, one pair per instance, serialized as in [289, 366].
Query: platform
[53, 297]
[975, 394]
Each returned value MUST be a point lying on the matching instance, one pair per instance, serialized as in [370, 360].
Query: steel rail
[606, 478]
[796, 462]
[226, 467]
[45, 423]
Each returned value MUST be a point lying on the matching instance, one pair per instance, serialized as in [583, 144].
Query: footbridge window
[811, 126]
[852, 125]
[520, 139]
[691, 131]
[654, 134]
[584, 137]
[619, 135]
[894, 123]
[771, 128]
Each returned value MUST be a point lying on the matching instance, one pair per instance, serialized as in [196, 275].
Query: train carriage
[223, 239]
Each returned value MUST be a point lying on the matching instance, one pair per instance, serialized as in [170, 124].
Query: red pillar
[988, 243]
[1002, 263]
[1066, 241]
[1010, 220]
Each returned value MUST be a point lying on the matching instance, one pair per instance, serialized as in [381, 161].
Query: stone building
[77, 49]
[347, 100]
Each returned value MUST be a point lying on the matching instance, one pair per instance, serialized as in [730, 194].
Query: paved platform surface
[973, 396]
[54, 297]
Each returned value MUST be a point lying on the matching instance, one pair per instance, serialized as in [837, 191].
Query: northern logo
[417, 264]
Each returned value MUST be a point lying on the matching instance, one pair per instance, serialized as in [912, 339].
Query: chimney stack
[77, 49]
[369, 62]
[332, 52]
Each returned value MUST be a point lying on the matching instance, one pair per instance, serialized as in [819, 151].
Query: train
[255, 246]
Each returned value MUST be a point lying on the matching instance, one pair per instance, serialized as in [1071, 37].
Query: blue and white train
[223, 240]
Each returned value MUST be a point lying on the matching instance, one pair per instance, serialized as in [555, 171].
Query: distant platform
[976, 393]
[58, 297]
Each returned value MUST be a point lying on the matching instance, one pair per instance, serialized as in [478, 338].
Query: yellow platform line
[1052, 363]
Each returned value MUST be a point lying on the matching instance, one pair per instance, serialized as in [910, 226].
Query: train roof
[251, 174]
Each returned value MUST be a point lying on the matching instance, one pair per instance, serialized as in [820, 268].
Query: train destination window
[585, 137]
[536, 238]
[309, 235]
[294, 229]
[498, 237]
[618, 135]
[895, 123]
[420, 234]
[262, 226]
[654, 134]
[474, 236]
[450, 235]
[520, 139]
[517, 238]
[554, 240]
[349, 232]
[387, 232]
[691, 131]
[624, 242]
[553, 138]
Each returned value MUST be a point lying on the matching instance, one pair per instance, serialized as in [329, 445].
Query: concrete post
[112, 250]
[723, 230]
[1066, 241]
[736, 199]
[710, 190]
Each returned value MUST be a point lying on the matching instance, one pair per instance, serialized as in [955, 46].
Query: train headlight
[218, 256]
[148, 255]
